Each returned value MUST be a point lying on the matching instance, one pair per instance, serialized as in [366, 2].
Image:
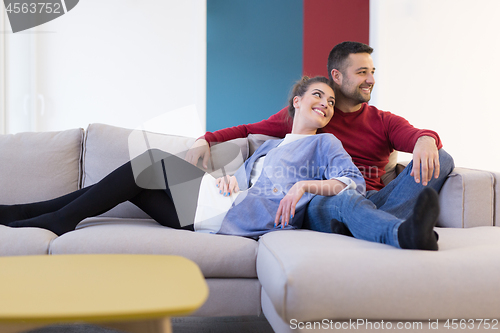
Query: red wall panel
[329, 22]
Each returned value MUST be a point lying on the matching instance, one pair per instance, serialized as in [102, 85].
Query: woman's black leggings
[62, 214]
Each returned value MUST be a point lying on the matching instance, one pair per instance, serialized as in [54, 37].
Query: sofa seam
[463, 203]
[247, 146]
[80, 159]
[284, 272]
[494, 200]
[49, 249]
[83, 152]
[492, 206]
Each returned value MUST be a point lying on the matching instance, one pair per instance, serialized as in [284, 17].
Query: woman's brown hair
[300, 88]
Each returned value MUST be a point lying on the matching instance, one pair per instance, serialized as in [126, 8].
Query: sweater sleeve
[402, 135]
[277, 125]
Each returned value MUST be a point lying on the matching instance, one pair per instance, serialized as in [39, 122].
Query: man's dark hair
[340, 52]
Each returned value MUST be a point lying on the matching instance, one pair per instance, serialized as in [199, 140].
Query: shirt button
[275, 190]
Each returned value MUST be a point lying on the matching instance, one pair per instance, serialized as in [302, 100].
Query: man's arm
[424, 144]
[425, 157]
[277, 125]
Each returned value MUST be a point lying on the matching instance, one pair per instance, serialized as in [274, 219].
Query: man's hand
[425, 156]
[227, 185]
[286, 209]
[200, 148]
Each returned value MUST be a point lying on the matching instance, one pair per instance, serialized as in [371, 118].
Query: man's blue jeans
[377, 216]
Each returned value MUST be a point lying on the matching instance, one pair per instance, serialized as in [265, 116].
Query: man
[369, 136]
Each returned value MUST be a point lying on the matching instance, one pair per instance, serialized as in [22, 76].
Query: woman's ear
[296, 102]
[336, 76]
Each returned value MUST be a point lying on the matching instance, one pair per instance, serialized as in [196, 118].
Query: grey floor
[182, 325]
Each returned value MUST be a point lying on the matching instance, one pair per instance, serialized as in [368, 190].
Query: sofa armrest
[467, 199]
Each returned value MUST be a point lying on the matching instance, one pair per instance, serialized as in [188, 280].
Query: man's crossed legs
[402, 214]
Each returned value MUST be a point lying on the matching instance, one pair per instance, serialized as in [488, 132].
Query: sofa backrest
[43, 165]
[39, 166]
[107, 147]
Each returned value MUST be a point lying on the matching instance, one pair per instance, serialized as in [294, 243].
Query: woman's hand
[227, 185]
[200, 148]
[286, 209]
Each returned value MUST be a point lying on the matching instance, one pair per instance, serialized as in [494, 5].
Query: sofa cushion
[217, 255]
[39, 166]
[107, 147]
[231, 297]
[313, 276]
[467, 199]
[256, 140]
[24, 241]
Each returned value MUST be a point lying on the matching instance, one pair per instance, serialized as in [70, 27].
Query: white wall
[2, 70]
[118, 62]
[436, 66]
[126, 62]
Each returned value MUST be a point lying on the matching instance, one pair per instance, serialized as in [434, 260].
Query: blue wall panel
[254, 55]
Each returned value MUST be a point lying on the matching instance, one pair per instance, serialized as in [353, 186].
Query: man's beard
[356, 95]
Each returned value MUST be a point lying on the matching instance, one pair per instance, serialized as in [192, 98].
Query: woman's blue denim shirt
[316, 157]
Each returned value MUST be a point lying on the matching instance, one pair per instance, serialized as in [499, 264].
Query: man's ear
[337, 76]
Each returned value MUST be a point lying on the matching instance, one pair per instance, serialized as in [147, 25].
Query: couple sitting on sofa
[271, 202]
[263, 207]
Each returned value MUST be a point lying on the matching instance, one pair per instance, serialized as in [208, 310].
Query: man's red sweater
[368, 135]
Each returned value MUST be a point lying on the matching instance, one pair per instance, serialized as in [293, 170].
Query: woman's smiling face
[314, 109]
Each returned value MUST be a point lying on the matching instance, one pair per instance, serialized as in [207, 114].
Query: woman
[278, 180]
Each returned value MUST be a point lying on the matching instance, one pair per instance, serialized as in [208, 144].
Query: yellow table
[132, 293]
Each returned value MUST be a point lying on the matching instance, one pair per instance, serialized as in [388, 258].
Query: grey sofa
[301, 280]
